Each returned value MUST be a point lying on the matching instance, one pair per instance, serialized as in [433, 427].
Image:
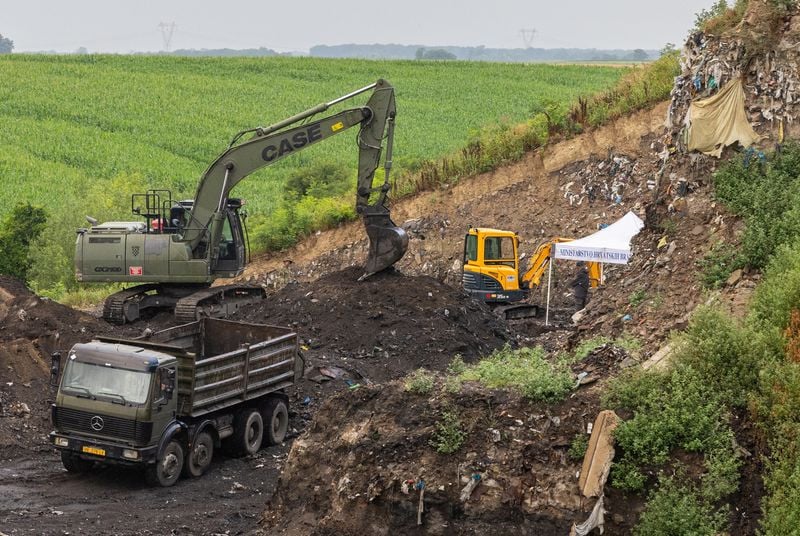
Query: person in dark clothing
[580, 286]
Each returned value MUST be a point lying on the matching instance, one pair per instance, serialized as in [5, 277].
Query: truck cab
[113, 403]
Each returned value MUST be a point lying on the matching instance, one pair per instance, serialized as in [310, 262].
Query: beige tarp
[719, 121]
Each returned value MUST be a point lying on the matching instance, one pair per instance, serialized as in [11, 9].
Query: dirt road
[37, 496]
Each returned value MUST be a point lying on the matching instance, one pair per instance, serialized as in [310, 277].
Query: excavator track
[219, 301]
[115, 308]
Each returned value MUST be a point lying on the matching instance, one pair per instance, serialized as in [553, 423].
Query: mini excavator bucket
[387, 243]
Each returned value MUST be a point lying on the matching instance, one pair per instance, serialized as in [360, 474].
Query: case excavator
[182, 247]
[492, 272]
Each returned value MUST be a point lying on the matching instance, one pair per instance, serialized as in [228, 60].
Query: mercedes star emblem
[97, 423]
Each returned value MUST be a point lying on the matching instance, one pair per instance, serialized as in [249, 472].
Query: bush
[767, 195]
[18, 230]
[449, 436]
[727, 356]
[671, 410]
[420, 381]
[676, 510]
[779, 292]
[577, 449]
[718, 264]
[319, 180]
[526, 370]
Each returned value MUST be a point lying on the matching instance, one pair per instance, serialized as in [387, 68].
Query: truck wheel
[276, 418]
[74, 463]
[248, 431]
[200, 456]
[166, 471]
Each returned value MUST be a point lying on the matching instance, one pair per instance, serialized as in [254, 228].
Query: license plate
[94, 450]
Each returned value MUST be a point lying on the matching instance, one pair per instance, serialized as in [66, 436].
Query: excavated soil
[382, 328]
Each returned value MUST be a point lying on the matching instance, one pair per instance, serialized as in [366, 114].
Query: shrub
[18, 230]
[726, 355]
[588, 346]
[767, 195]
[675, 510]
[675, 409]
[718, 264]
[577, 449]
[779, 292]
[449, 436]
[420, 381]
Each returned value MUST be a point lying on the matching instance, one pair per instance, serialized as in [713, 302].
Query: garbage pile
[770, 77]
[605, 181]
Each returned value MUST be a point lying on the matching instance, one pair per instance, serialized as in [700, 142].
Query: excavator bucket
[387, 243]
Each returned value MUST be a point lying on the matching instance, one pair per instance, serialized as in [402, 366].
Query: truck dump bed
[222, 363]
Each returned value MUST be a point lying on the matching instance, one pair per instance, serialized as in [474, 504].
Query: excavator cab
[231, 251]
[491, 266]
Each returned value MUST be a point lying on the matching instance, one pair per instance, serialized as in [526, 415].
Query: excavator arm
[266, 146]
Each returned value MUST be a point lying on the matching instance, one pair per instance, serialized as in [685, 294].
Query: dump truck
[168, 400]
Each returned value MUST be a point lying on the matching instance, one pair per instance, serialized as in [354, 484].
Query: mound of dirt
[382, 328]
[369, 453]
[31, 328]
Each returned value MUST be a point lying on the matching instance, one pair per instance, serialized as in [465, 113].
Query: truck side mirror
[55, 367]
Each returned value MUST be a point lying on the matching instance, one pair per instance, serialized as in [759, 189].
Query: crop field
[81, 133]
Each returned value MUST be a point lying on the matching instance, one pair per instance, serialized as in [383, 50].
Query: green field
[80, 133]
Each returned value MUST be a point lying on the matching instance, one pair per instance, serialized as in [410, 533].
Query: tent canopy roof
[611, 244]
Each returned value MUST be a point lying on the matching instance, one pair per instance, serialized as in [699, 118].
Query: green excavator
[182, 247]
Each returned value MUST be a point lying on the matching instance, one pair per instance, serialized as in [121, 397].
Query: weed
[637, 297]
[629, 343]
[718, 264]
[448, 436]
[668, 226]
[524, 369]
[452, 385]
[588, 346]
[457, 365]
[420, 382]
[577, 449]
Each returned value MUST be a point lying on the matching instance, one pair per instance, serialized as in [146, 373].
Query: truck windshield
[87, 379]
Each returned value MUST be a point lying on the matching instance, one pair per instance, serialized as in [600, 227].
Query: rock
[698, 230]
[734, 278]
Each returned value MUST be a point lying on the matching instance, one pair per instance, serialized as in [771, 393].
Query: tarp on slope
[611, 244]
[718, 121]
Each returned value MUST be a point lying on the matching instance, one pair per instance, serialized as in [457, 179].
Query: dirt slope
[360, 335]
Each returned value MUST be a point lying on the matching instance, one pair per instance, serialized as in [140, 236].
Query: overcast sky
[296, 25]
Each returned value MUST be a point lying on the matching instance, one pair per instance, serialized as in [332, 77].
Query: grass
[420, 382]
[525, 370]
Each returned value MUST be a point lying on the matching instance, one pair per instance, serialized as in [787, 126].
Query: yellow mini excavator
[492, 271]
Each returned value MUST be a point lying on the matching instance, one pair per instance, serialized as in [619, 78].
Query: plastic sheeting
[611, 244]
[718, 121]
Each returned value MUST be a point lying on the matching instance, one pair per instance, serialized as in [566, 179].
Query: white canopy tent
[611, 244]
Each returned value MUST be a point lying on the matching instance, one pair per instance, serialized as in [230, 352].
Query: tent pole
[549, 279]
